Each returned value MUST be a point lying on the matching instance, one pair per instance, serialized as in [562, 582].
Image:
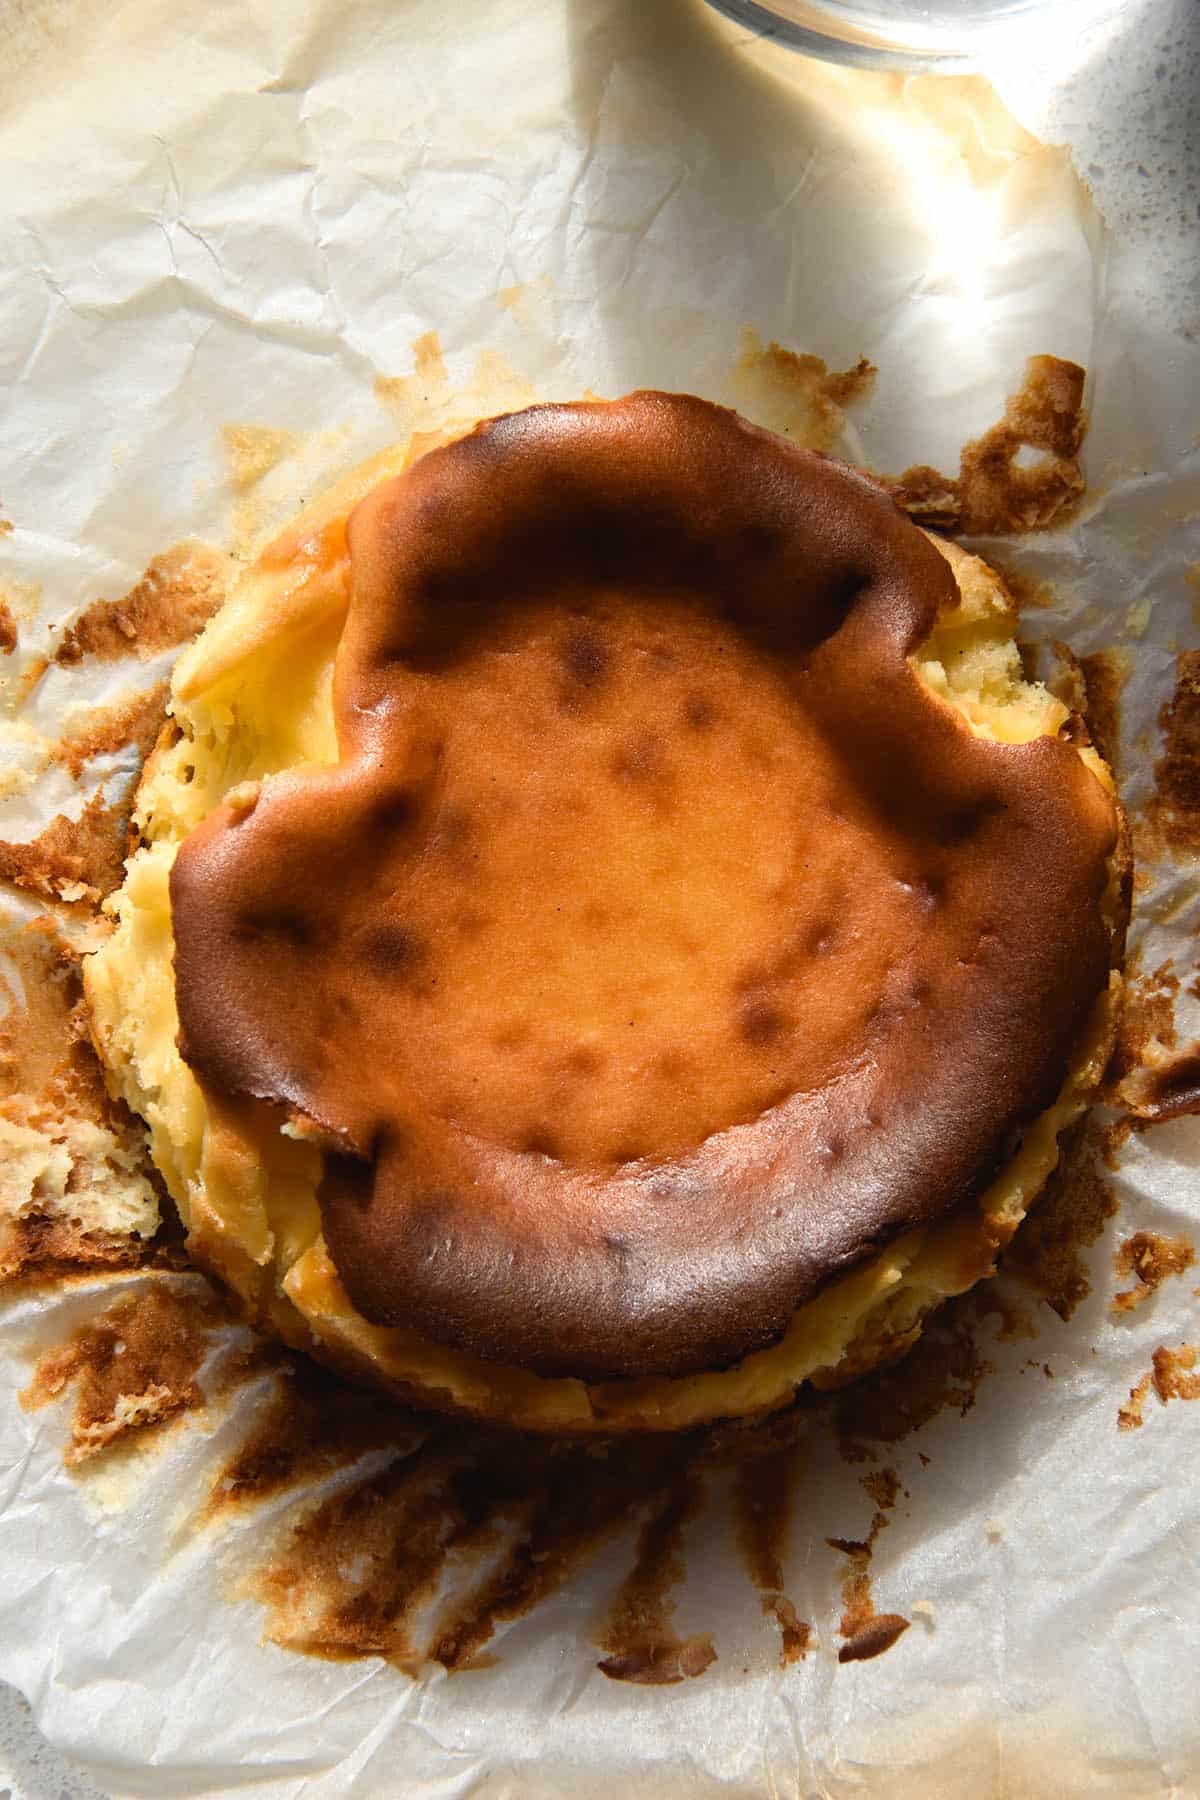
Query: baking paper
[229, 233]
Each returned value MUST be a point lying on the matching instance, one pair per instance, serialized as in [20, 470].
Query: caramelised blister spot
[653, 902]
[586, 663]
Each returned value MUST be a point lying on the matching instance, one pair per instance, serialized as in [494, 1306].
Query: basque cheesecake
[613, 933]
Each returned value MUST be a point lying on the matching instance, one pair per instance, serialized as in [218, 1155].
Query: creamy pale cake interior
[614, 934]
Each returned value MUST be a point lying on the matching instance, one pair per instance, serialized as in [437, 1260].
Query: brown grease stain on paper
[251, 452]
[641, 1642]
[764, 1497]
[794, 394]
[429, 376]
[785, 391]
[1015, 1322]
[360, 1572]
[528, 301]
[350, 1577]
[429, 410]
[22, 601]
[8, 629]
[1028, 592]
[994, 492]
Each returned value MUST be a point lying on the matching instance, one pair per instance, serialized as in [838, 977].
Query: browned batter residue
[43, 1049]
[641, 1642]
[1130, 1415]
[72, 859]
[40, 1247]
[50, 1082]
[351, 1578]
[992, 491]
[1172, 821]
[1150, 1082]
[132, 723]
[883, 1487]
[132, 1369]
[867, 1633]
[1028, 592]
[1164, 1090]
[942, 1372]
[8, 630]
[359, 1574]
[1147, 1019]
[1046, 1255]
[177, 595]
[1016, 1323]
[873, 1636]
[83, 859]
[1150, 1258]
[311, 1424]
[763, 1498]
[1171, 1376]
[567, 1502]
[1104, 674]
[795, 1633]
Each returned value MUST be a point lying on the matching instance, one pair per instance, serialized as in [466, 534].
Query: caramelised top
[659, 946]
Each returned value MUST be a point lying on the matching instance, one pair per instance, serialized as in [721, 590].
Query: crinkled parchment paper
[229, 232]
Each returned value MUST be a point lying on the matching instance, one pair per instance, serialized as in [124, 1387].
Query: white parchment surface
[215, 212]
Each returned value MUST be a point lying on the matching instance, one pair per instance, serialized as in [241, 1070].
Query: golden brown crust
[911, 1001]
